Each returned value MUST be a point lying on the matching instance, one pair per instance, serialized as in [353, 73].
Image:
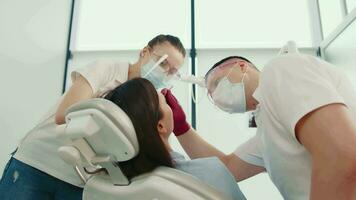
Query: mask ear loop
[243, 76]
[228, 74]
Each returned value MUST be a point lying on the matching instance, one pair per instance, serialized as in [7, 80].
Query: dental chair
[100, 135]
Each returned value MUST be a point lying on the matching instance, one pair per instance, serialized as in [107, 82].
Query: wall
[342, 50]
[33, 38]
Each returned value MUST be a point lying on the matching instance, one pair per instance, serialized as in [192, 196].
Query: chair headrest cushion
[113, 112]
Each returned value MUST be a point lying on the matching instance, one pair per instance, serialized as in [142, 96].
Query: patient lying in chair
[152, 119]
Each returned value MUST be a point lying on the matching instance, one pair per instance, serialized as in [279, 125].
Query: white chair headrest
[114, 133]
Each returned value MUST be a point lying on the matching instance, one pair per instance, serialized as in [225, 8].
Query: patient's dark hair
[173, 40]
[139, 100]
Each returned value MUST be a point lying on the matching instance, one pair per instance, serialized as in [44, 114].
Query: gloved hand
[181, 125]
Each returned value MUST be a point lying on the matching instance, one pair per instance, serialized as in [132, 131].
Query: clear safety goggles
[166, 66]
[214, 76]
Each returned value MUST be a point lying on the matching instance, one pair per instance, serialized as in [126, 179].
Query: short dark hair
[144, 112]
[226, 59]
[173, 40]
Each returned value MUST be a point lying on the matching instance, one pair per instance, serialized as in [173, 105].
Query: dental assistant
[306, 117]
[36, 171]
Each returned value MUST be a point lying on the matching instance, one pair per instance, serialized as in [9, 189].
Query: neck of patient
[165, 140]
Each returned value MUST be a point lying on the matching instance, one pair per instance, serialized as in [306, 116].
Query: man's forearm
[197, 147]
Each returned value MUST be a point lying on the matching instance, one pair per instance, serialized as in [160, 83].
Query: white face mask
[156, 74]
[230, 97]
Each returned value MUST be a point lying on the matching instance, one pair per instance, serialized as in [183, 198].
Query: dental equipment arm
[192, 79]
[329, 134]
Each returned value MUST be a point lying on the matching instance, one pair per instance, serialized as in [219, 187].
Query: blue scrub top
[211, 171]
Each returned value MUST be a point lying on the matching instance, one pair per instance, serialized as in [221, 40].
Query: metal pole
[69, 54]
[193, 56]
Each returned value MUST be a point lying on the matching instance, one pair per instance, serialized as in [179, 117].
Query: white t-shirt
[291, 86]
[39, 147]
